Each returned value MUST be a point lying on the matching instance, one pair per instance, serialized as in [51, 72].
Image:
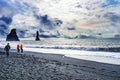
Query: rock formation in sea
[37, 36]
[12, 36]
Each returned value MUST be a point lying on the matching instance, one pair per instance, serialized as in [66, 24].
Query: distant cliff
[12, 36]
[37, 36]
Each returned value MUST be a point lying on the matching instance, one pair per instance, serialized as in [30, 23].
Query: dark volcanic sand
[54, 67]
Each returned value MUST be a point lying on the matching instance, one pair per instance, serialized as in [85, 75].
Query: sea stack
[12, 36]
[37, 36]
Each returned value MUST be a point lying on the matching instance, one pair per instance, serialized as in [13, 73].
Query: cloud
[71, 28]
[113, 17]
[73, 17]
[5, 12]
[48, 23]
[4, 23]
[7, 20]
[26, 25]
[49, 34]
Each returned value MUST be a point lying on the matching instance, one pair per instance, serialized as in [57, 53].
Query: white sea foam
[104, 57]
[98, 56]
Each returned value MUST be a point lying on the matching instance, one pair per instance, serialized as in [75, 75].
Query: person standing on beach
[21, 48]
[7, 49]
[18, 48]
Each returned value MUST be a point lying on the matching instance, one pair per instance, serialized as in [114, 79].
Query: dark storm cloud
[7, 20]
[113, 17]
[78, 6]
[71, 28]
[3, 30]
[48, 23]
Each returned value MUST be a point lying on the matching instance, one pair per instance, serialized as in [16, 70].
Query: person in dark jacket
[7, 49]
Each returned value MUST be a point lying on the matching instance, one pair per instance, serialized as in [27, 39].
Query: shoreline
[76, 68]
[73, 61]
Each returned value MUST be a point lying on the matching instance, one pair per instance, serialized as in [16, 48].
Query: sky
[61, 18]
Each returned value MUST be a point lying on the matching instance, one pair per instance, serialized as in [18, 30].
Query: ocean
[110, 45]
[99, 50]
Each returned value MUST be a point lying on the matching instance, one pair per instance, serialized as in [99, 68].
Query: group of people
[20, 48]
[7, 48]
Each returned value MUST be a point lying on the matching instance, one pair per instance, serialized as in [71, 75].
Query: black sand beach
[40, 66]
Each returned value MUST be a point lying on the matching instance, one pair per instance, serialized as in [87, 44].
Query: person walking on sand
[18, 48]
[21, 48]
[7, 49]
